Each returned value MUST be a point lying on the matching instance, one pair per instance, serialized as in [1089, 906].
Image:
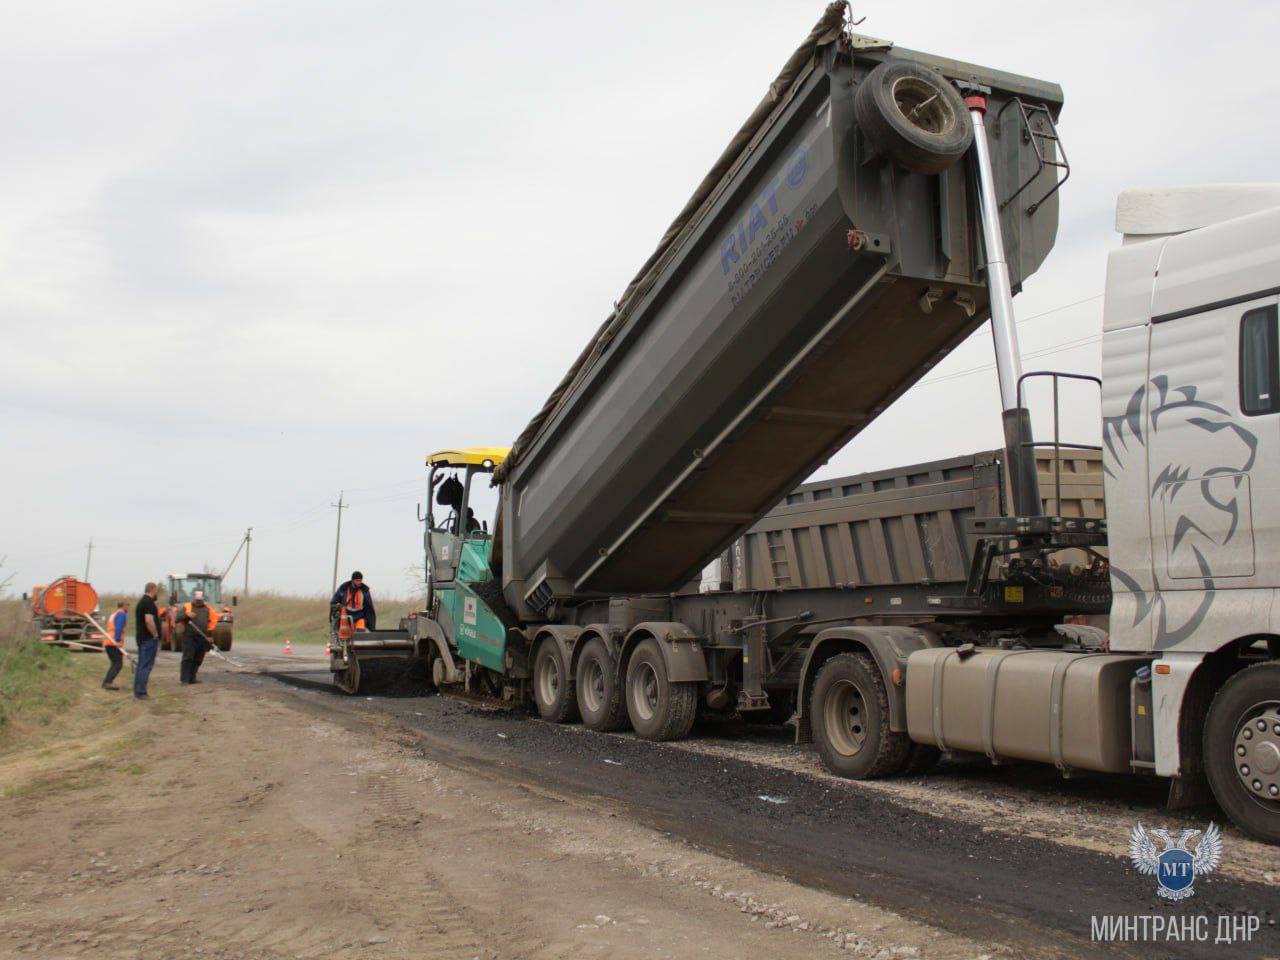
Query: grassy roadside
[58, 728]
[37, 682]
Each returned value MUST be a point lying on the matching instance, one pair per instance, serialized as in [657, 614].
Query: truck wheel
[913, 116]
[658, 708]
[1242, 750]
[553, 690]
[599, 692]
[850, 711]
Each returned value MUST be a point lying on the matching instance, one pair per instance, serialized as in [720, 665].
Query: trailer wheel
[659, 709]
[348, 680]
[913, 116]
[553, 690]
[599, 691]
[850, 710]
[1242, 750]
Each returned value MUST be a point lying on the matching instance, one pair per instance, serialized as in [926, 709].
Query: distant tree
[416, 574]
[5, 578]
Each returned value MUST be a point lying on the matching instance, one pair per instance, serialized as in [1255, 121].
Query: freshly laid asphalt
[1032, 895]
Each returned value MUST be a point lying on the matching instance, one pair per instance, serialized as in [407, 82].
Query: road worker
[113, 646]
[199, 620]
[355, 597]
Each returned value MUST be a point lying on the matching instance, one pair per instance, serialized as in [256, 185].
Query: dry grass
[262, 617]
[271, 617]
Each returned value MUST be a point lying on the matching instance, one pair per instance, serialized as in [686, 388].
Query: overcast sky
[255, 253]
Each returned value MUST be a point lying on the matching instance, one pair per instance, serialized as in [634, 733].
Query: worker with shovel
[199, 620]
[113, 646]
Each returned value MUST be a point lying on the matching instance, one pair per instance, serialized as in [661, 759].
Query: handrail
[1057, 444]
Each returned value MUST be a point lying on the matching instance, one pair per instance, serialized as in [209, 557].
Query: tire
[600, 700]
[913, 116]
[553, 690]
[659, 709]
[1234, 742]
[222, 637]
[850, 718]
[433, 667]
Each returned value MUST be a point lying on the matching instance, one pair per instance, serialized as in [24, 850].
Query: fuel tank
[1066, 708]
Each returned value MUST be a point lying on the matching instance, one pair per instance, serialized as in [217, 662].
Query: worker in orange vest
[113, 646]
[199, 619]
[356, 598]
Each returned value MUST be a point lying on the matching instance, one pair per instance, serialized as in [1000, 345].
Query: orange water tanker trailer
[58, 611]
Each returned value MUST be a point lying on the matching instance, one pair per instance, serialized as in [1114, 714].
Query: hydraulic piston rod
[1004, 331]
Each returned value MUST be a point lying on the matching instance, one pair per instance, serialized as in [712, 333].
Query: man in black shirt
[147, 633]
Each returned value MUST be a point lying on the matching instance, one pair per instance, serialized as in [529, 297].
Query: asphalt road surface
[968, 874]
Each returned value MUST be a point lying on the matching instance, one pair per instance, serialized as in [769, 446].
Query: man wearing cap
[198, 619]
[355, 597]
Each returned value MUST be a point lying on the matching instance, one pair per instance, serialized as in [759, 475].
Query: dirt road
[275, 820]
[233, 820]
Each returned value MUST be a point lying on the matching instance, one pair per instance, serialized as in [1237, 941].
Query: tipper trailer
[863, 222]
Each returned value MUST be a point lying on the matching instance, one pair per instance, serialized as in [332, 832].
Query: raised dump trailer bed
[827, 261]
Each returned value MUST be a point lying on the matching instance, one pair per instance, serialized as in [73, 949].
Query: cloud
[256, 253]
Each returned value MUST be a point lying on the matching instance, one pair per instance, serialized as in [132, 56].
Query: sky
[255, 254]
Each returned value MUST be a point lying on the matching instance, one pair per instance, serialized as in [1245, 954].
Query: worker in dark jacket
[355, 597]
[199, 620]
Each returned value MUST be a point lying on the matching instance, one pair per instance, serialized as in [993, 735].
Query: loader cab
[181, 588]
[458, 534]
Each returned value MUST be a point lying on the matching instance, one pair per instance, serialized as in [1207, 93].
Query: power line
[1032, 354]
[1048, 351]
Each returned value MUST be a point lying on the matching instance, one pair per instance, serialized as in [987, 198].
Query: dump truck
[876, 208]
[180, 588]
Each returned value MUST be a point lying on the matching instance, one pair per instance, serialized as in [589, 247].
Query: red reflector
[897, 677]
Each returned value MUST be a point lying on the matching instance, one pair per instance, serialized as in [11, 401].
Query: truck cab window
[1259, 363]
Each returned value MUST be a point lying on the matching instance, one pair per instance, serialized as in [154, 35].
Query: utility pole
[248, 540]
[338, 540]
[89, 556]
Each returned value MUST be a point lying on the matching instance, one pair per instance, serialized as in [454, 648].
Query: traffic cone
[288, 645]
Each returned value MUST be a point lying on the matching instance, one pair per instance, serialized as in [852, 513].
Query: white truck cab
[1191, 446]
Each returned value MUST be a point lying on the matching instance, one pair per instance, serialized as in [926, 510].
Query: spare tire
[913, 116]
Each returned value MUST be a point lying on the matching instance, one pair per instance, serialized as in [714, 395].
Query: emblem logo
[1175, 867]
